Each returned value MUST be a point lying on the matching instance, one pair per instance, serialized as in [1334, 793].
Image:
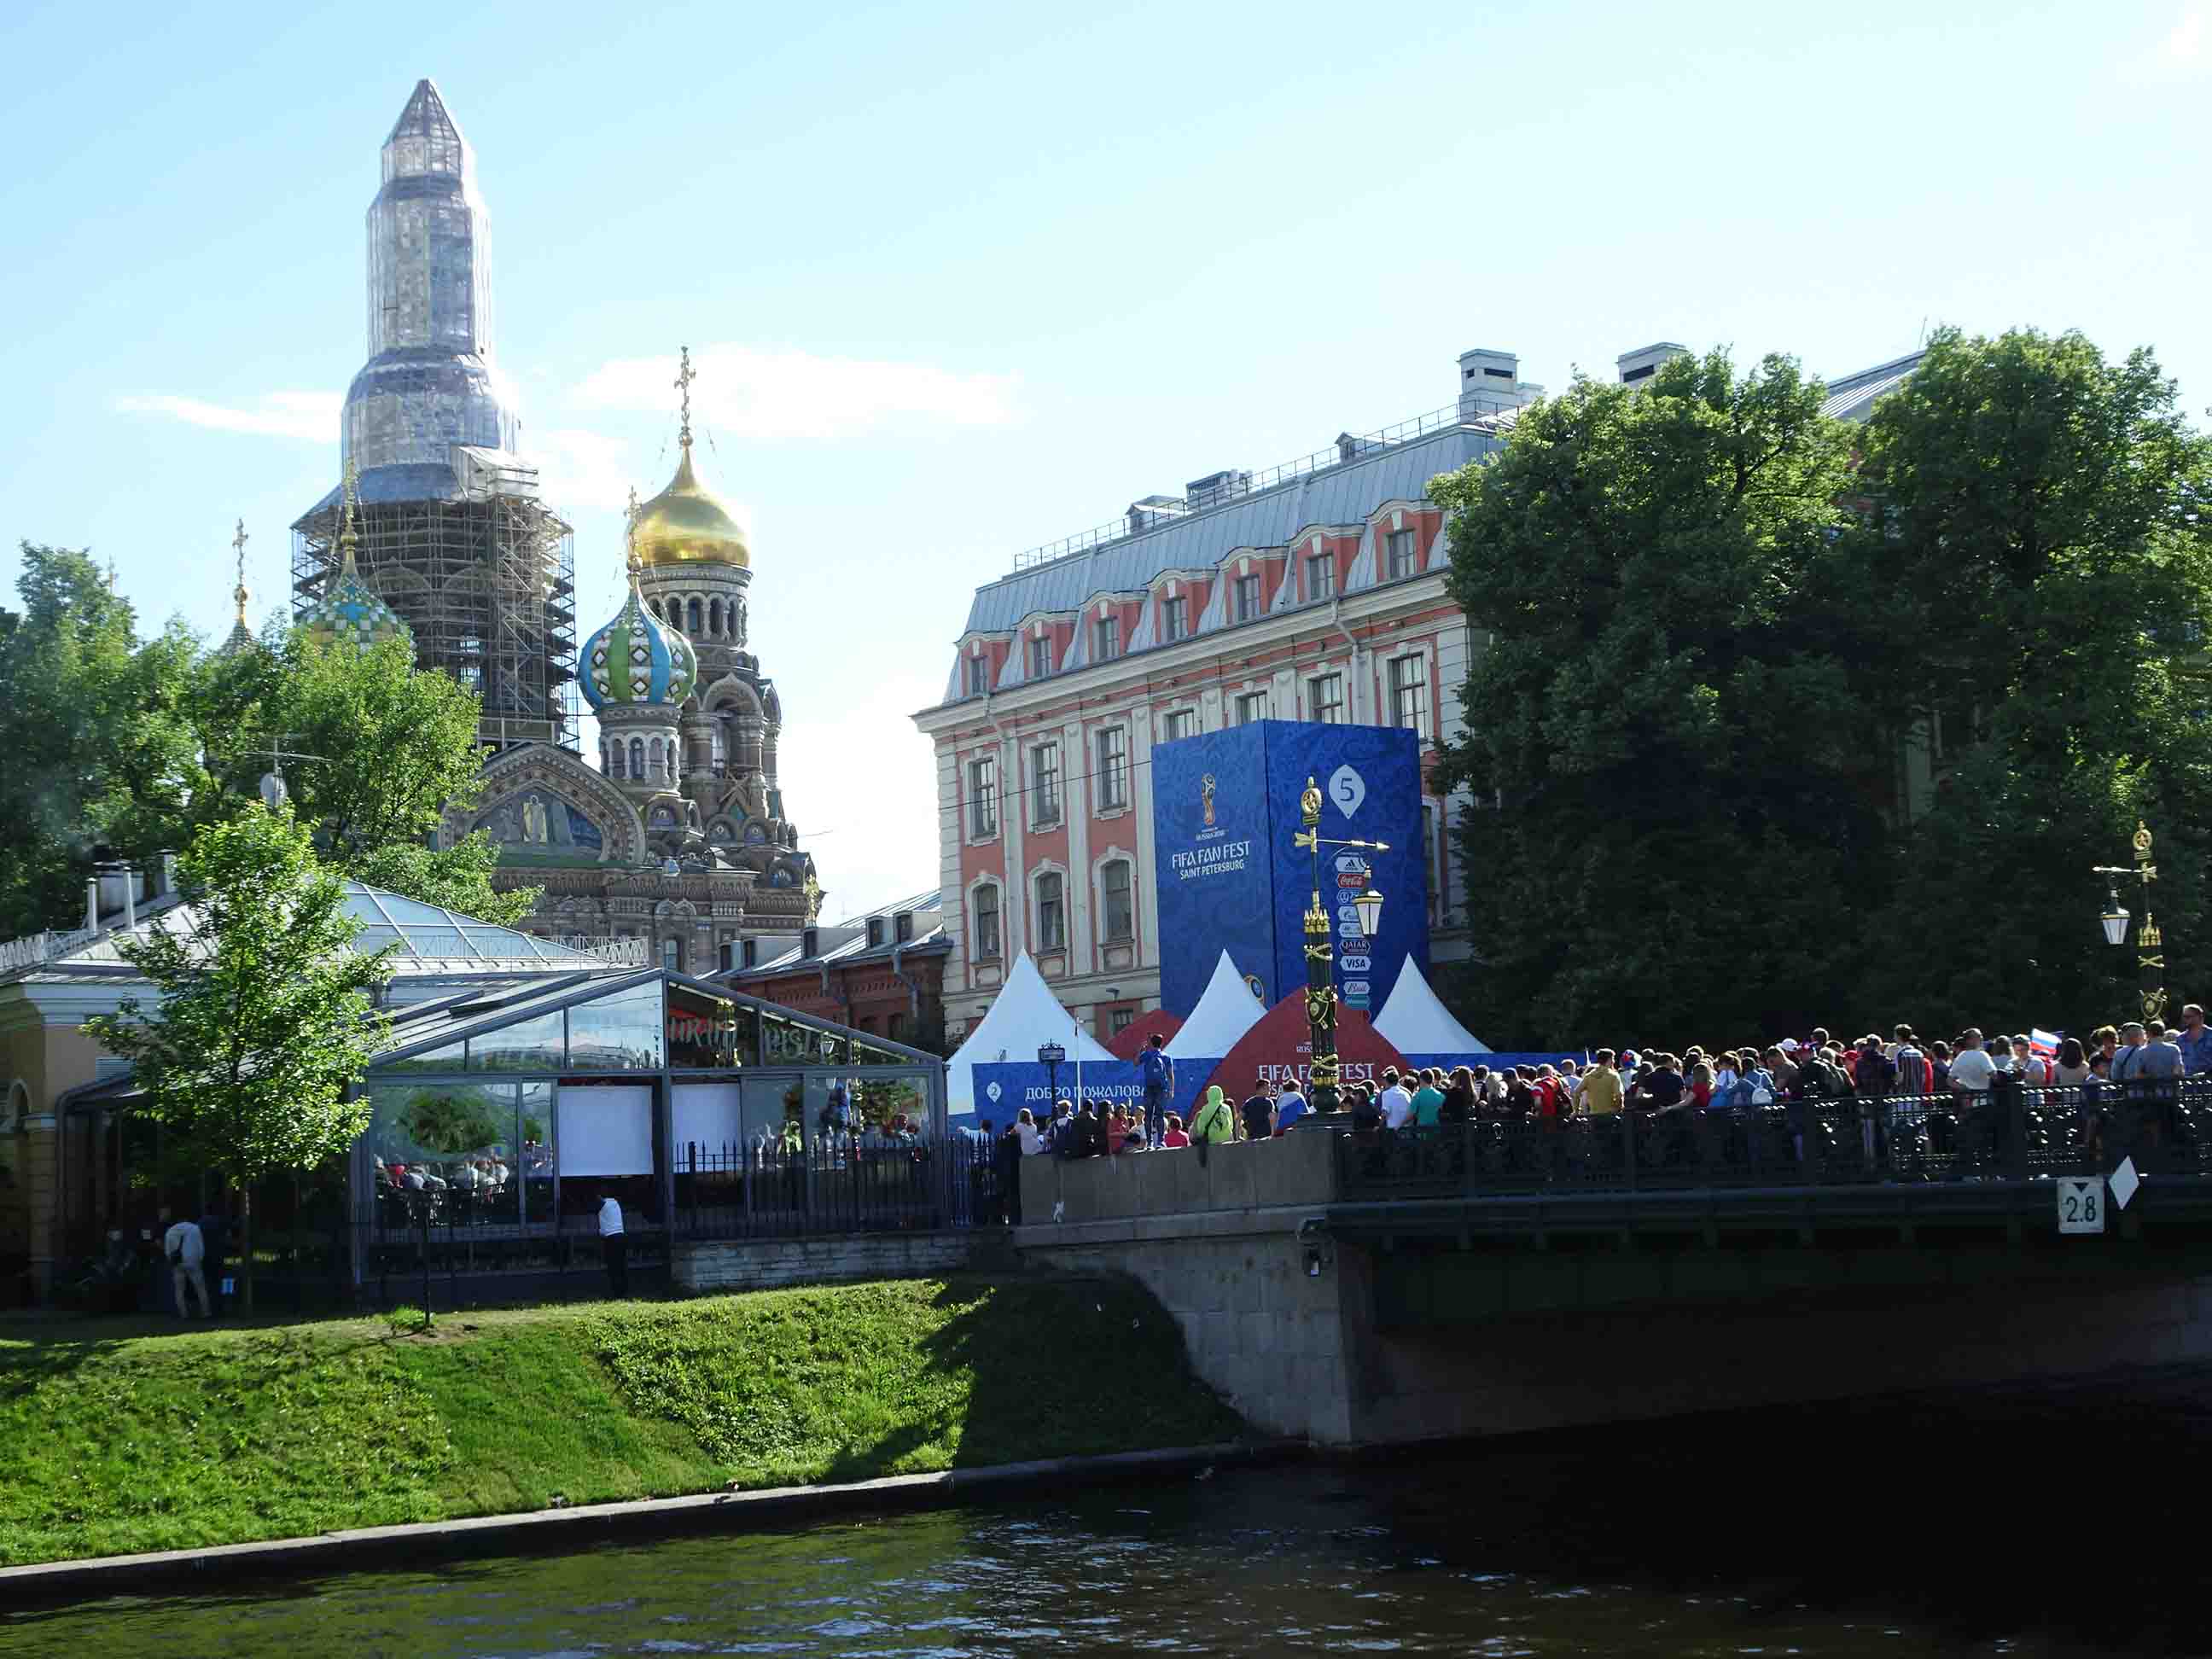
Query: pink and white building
[1312, 592]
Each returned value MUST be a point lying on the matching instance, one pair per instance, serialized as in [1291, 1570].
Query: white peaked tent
[1022, 1016]
[1225, 1013]
[1417, 1024]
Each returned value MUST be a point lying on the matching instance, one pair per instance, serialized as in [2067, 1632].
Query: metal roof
[1340, 494]
[1852, 398]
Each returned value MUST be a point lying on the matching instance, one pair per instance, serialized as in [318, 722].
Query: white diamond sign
[2125, 1182]
[1346, 788]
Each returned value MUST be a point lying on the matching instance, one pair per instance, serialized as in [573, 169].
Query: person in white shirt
[614, 1243]
[187, 1251]
[1972, 1068]
[1393, 1103]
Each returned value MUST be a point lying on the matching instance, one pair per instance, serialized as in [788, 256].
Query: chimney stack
[1489, 383]
[1640, 365]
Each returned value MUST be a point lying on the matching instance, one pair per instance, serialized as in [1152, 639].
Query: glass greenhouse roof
[430, 930]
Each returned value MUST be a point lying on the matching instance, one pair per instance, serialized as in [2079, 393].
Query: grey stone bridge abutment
[1394, 1321]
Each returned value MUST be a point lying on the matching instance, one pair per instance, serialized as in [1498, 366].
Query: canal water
[2043, 1525]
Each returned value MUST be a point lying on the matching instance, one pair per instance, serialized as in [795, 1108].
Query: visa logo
[1351, 966]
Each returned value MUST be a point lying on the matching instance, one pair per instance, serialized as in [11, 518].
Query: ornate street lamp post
[1321, 956]
[2150, 943]
[1050, 1054]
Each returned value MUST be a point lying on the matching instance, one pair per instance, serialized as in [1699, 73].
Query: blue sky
[966, 280]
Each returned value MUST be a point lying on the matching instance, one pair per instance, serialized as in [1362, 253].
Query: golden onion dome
[688, 524]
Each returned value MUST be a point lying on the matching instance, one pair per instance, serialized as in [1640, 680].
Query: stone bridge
[1353, 1294]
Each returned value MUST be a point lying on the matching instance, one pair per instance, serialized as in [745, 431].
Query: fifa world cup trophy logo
[1206, 797]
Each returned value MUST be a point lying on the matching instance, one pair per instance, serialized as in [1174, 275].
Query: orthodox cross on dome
[629, 533]
[238, 545]
[684, 376]
[346, 537]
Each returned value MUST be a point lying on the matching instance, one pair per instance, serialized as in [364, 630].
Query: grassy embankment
[195, 1437]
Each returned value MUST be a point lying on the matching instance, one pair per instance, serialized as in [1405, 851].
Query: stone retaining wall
[761, 1264]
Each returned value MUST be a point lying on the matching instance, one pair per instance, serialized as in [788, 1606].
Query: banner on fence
[1002, 1089]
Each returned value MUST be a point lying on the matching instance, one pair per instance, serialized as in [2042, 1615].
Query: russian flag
[2043, 1044]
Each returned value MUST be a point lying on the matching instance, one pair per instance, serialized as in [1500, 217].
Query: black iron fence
[2010, 1133]
[830, 1184]
[835, 1184]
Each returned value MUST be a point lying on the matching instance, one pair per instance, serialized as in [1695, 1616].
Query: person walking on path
[614, 1243]
[1157, 1072]
[187, 1252]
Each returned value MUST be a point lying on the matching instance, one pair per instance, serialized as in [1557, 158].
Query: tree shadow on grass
[1060, 1367]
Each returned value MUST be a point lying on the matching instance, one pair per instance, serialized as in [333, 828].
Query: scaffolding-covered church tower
[452, 532]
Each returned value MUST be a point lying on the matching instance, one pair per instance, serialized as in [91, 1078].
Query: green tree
[262, 1020]
[2041, 536]
[1670, 727]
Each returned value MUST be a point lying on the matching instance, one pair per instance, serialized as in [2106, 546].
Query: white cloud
[578, 468]
[749, 391]
[2185, 51]
[311, 417]
[869, 853]
[2186, 45]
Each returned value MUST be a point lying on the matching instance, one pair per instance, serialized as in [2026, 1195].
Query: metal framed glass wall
[500, 1123]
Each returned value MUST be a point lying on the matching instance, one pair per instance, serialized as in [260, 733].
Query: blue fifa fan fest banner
[1225, 805]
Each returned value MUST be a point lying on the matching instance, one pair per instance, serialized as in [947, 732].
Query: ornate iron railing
[2012, 1134]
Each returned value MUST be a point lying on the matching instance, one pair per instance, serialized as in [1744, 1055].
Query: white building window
[1325, 699]
[979, 676]
[1114, 889]
[1040, 659]
[983, 796]
[1321, 575]
[1398, 551]
[1051, 912]
[1177, 724]
[1044, 784]
[1252, 706]
[1106, 638]
[986, 922]
[1174, 624]
[1247, 596]
[1409, 694]
[1113, 768]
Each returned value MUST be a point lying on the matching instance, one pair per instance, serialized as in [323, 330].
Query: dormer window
[810, 942]
[1247, 596]
[875, 932]
[1173, 623]
[1106, 637]
[903, 927]
[1040, 659]
[979, 676]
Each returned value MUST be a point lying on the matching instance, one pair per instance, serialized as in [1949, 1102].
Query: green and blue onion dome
[350, 613]
[637, 658]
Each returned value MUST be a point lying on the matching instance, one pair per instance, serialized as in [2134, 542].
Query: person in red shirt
[1174, 1136]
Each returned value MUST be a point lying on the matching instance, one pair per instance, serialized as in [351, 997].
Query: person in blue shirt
[1157, 1072]
[1290, 1107]
[2194, 1039]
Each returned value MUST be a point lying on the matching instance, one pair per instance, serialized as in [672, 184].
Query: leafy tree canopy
[262, 1018]
[1782, 722]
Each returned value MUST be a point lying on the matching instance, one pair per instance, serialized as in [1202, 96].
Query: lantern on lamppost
[1321, 956]
[2150, 943]
[1050, 1056]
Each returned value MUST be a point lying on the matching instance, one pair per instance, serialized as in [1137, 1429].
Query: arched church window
[693, 628]
[715, 619]
[637, 757]
[652, 760]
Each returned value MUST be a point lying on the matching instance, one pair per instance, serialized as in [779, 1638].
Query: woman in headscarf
[1214, 1121]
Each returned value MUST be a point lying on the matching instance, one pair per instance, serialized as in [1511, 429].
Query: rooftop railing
[1165, 510]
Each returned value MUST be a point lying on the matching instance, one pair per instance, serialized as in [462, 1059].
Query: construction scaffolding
[486, 579]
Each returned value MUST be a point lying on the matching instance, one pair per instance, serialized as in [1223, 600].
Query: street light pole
[1321, 955]
[2150, 943]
